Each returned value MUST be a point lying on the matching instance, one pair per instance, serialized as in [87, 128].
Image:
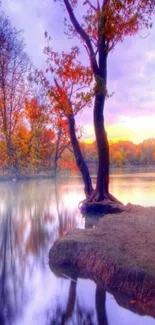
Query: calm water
[33, 214]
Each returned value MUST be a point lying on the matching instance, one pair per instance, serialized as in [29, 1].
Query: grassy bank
[119, 252]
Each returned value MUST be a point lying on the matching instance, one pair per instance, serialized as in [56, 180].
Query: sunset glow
[134, 129]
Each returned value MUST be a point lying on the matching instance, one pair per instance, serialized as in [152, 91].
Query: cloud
[34, 18]
[132, 77]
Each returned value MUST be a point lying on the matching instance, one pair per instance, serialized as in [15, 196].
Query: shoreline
[113, 172]
[119, 252]
[12, 178]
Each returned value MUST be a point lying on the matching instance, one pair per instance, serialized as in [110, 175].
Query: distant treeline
[36, 153]
[124, 153]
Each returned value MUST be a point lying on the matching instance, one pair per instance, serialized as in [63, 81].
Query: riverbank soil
[119, 252]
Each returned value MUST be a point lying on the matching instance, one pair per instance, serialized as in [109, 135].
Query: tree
[21, 140]
[69, 95]
[54, 118]
[41, 136]
[104, 24]
[62, 141]
[14, 68]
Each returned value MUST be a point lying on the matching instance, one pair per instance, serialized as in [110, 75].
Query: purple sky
[130, 113]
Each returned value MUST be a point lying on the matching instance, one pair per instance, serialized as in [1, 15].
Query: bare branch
[83, 35]
[87, 2]
[98, 5]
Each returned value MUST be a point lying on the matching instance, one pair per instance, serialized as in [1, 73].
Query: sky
[130, 112]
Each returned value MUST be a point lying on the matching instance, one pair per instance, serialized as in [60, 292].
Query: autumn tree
[41, 135]
[62, 140]
[104, 24]
[14, 67]
[55, 118]
[69, 95]
[21, 139]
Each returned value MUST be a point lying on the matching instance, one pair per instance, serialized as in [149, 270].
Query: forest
[37, 119]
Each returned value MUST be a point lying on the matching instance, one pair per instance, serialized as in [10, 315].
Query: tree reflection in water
[10, 283]
[75, 311]
[101, 306]
[32, 216]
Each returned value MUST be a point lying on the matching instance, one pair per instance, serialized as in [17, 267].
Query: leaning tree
[69, 94]
[103, 24]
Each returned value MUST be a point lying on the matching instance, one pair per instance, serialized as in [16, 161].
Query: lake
[33, 214]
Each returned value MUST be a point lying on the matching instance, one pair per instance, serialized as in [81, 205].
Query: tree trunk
[57, 152]
[102, 184]
[55, 166]
[12, 158]
[79, 157]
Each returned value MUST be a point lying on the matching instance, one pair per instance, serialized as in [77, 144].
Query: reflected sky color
[136, 188]
[33, 214]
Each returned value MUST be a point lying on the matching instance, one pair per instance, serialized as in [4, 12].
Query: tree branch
[104, 4]
[83, 35]
[98, 5]
[90, 4]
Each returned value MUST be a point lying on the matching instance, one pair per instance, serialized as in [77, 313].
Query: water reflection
[106, 310]
[33, 214]
[73, 313]
[100, 306]
[137, 188]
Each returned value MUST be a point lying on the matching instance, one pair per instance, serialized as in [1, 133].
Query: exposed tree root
[100, 204]
[96, 197]
[113, 199]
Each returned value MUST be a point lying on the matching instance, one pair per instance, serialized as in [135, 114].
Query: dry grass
[120, 251]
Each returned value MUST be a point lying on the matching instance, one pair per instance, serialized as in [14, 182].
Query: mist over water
[33, 214]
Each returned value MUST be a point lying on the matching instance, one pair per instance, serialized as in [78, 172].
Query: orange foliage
[35, 113]
[111, 19]
[68, 91]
